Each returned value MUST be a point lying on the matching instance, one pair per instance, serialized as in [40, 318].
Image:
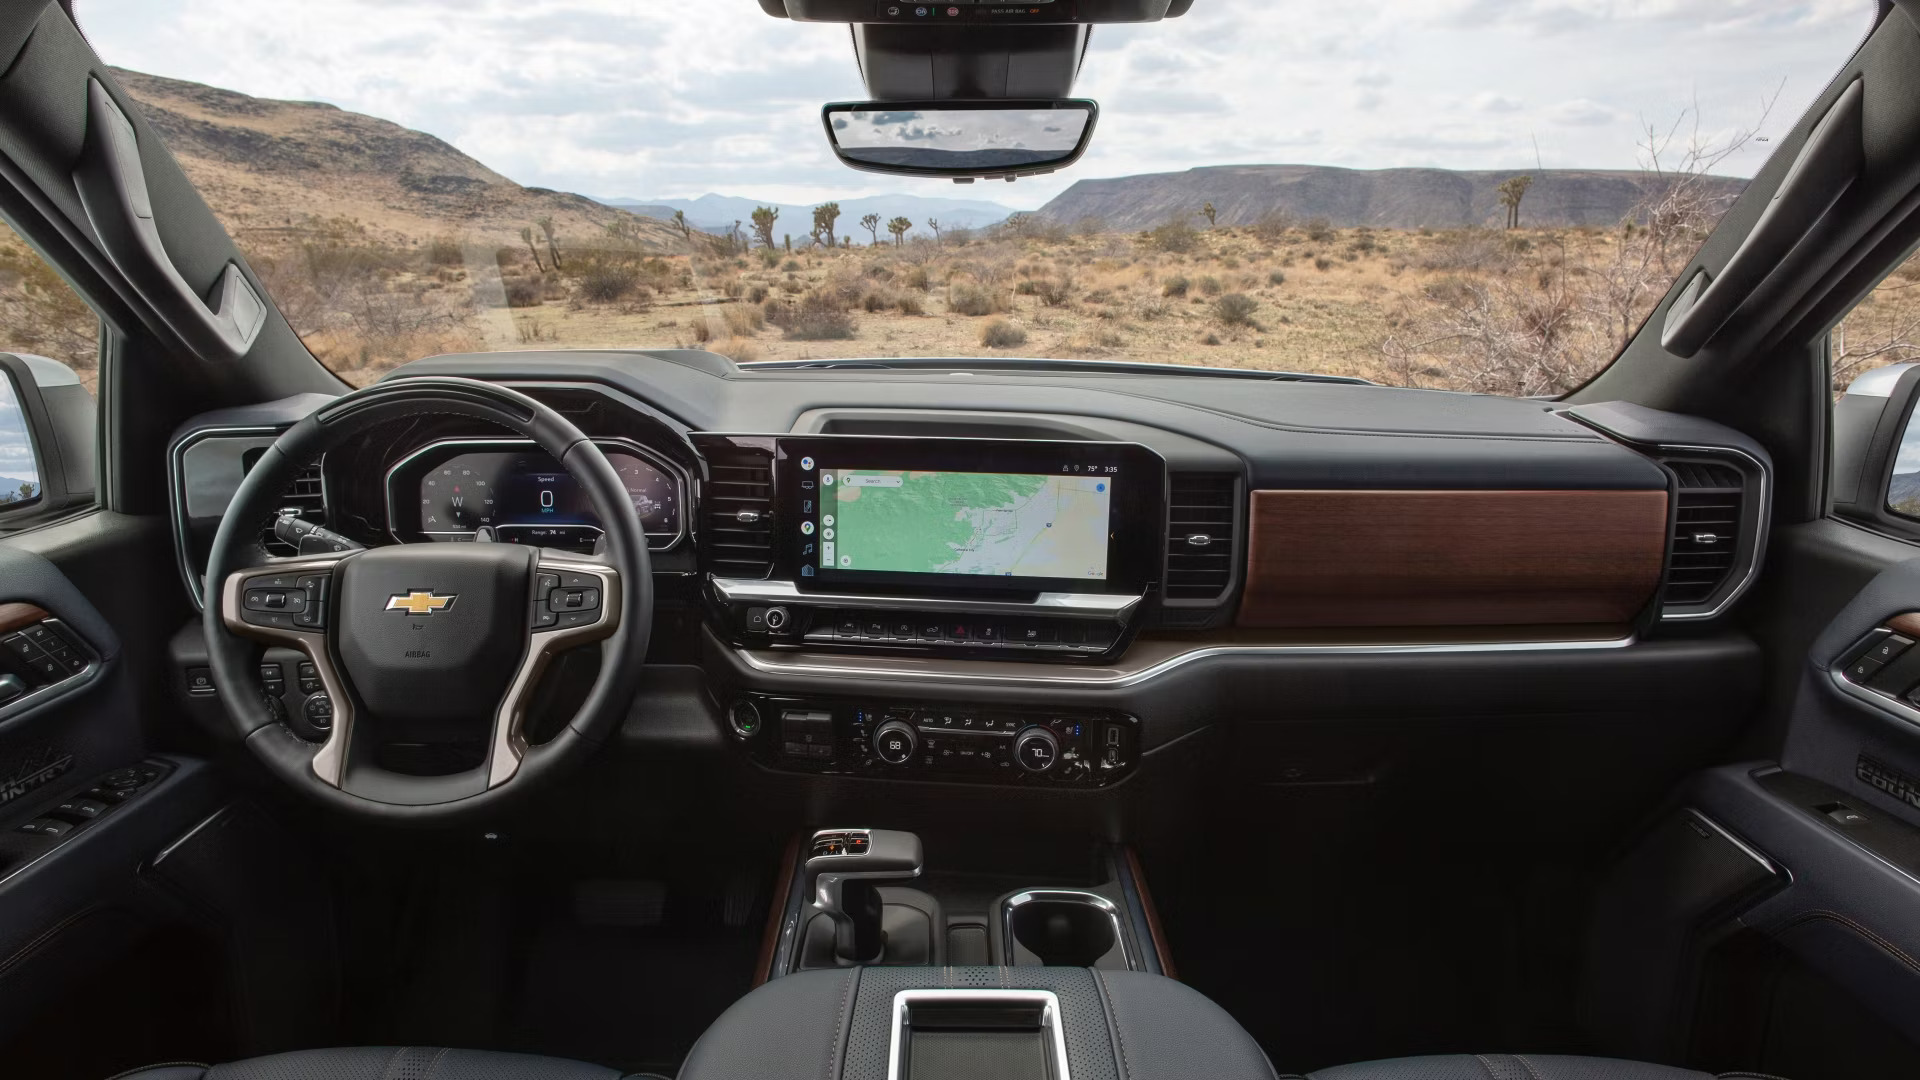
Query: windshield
[1466, 196]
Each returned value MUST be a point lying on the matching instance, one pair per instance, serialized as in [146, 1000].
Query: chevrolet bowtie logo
[420, 602]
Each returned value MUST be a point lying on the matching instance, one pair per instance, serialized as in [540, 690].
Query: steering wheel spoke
[287, 602]
[575, 602]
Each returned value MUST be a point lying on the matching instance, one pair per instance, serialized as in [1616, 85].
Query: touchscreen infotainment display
[1017, 525]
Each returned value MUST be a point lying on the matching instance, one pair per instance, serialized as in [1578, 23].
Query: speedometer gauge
[457, 497]
[655, 495]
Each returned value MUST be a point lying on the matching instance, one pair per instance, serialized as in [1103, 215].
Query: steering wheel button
[544, 616]
[577, 618]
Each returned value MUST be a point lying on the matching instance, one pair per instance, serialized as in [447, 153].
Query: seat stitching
[1835, 916]
[1487, 1066]
[1528, 1065]
[434, 1065]
[1119, 1035]
[840, 1026]
[1749, 1076]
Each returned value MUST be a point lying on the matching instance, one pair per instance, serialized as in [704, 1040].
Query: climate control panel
[946, 742]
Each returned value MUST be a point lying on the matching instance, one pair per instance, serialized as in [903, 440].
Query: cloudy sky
[676, 98]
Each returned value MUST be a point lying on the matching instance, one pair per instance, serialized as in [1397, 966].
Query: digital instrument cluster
[450, 491]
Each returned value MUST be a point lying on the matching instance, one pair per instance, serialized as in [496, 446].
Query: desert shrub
[1175, 236]
[1027, 287]
[1106, 337]
[1277, 277]
[1210, 339]
[702, 330]
[744, 320]
[1089, 226]
[878, 300]
[820, 326]
[769, 257]
[1271, 227]
[1211, 286]
[1151, 309]
[917, 278]
[446, 251]
[757, 294]
[967, 298]
[1054, 292]
[1464, 249]
[603, 282]
[1100, 296]
[741, 350]
[792, 286]
[1320, 230]
[1001, 334]
[522, 292]
[792, 266]
[1235, 309]
[1322, 263]
[960, 237]
[909, 304]
[1177, 285]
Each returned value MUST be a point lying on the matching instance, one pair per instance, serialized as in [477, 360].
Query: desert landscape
[382, 245]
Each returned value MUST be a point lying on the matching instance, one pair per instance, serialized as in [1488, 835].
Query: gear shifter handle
[843, 868]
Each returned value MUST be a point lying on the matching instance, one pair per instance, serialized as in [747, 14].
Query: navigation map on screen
[990, 524]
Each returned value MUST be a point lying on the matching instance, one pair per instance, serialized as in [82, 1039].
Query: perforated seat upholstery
[1516, 1067]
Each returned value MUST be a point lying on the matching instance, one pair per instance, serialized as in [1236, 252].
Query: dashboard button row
[1074, 635]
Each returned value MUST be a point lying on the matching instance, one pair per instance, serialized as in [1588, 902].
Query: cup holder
[1064, 929]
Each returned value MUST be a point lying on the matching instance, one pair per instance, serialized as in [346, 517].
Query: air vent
[738, 510]
[1200, 534]
[1706, 531]
[304, 493]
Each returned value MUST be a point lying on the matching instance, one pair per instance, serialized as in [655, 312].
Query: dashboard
[980, 576]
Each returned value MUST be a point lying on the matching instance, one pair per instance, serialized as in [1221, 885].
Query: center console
[879, 983]
[1001, 548]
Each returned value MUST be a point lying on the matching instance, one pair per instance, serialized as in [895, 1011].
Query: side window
[49, 370]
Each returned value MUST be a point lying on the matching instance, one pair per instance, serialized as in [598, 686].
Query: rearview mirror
[963, 140]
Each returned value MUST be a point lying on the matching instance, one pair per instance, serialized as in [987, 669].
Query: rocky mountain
[1388, 198]
[269, 166]
[717, 213]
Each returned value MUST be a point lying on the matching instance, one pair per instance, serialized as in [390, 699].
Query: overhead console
[989, 547]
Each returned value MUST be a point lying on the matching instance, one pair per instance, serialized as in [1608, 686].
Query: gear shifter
[844, 866]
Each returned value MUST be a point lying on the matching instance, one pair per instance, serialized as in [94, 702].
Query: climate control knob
[1036, 749]
[895, 742]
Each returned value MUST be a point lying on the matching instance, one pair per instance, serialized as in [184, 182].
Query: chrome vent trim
[1203, 527]
[736, 511]
[1721, 509]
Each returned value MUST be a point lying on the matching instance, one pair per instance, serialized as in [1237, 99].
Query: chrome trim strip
[1886, 703]
[849, 667]
[1066, 605]
[1070, 896]
[1052, 1020]
[1762, 524]
[176, 496]
[509, 745]
[1746, 849]
[655, 457]
[330, 760]
[35, 700]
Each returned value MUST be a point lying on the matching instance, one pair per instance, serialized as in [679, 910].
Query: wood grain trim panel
[15, 615]
[1908, 624]
[1451, 558]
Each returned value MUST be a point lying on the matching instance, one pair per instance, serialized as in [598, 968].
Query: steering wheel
[452, 637]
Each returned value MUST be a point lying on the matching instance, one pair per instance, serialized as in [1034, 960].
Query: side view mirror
[47, 424]
[961, 140]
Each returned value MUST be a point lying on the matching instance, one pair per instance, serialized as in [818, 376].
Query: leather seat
[385, 1063]
[1517, 1067]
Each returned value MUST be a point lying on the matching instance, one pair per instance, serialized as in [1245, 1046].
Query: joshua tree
[824, 216]
[898, 227]
[1210, 214]
[1512, 191]
[553, 248]
[680, 222]
[763, 219]
[735, 237]
[526, 233]
[871, 223]
[934, 224]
